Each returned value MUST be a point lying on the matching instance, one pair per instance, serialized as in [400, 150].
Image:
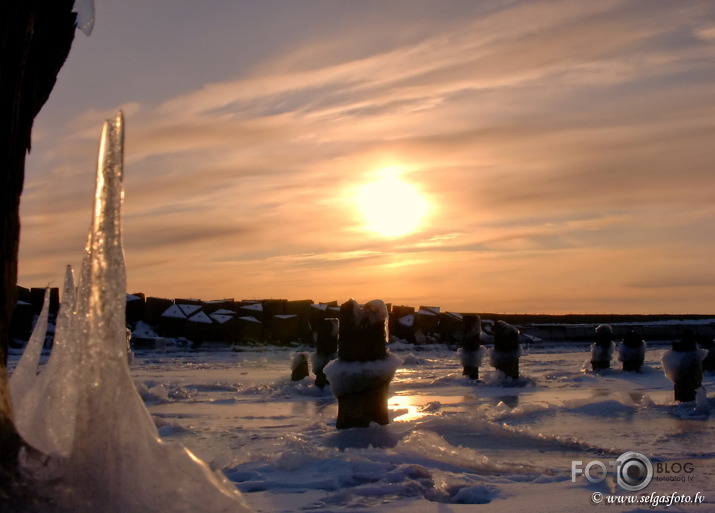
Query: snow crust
[679, 365]
[297, 360]
[450, 441]
[354, 377]
[250, 319]
[602, 353]
[407, 320]
[201, 318]
[632, 354]
[221, 318]
[188, 310]
[174, 312]
[499, 358]
[472, 358]
[427, 312]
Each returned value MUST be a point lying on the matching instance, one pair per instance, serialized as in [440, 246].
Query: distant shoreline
[517, 318]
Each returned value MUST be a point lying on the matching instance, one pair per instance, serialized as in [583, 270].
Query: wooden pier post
[361, 375]
[326, 348]
[507, 350]
[472, 350]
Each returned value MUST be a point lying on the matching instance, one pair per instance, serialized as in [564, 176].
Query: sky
[524, 156]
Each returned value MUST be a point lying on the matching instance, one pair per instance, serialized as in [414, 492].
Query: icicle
[117, 463]
[85, 15]
[42, 419]
[26, 371]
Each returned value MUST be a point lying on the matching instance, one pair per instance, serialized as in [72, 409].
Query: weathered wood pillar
[603, 348]
[299, 367]
[361, 375]
[326, 348]
[472, 350]
[631, 352]
[683, 366]
[507, 350]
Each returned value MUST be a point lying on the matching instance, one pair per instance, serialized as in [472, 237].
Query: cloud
[541, 131]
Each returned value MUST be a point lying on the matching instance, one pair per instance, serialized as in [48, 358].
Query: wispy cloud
[543, 132]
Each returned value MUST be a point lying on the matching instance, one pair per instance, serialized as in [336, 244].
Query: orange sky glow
[535, 156]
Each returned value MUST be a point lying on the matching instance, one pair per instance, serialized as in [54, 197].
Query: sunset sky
[533, 156]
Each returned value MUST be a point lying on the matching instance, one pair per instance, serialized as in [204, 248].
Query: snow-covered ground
[451, 443]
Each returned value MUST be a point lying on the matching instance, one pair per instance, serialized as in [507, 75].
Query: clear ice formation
[26, 371]
[101, 448]
[41, 414]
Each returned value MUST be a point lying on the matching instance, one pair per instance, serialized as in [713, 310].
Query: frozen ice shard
[117, 463]
[42, 417]
[26, 371]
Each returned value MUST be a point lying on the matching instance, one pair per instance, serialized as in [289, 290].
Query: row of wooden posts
[363, 340]
[359, 338]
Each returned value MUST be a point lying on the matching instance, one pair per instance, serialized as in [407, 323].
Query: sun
[391, 207]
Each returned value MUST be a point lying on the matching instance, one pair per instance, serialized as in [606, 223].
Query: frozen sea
[451, 444]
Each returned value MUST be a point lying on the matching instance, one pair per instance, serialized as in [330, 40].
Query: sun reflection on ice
[405, 408]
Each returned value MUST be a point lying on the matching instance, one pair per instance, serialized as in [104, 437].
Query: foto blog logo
[633, 471]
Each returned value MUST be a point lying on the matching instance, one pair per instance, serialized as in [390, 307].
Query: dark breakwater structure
[283, 322]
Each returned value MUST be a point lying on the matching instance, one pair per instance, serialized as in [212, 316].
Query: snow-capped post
[361, 375]
[631, 352]
[683, 366]
[472, 350]
[299, 367]
[326, 347]
[507, 350]
[602, 349]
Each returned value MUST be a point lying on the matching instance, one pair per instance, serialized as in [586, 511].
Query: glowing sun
[391, 207]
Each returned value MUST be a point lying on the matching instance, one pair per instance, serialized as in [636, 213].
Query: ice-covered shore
[451, 443]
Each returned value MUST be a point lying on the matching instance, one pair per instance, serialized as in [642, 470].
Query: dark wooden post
[326, 348]
[36, 37]
[299, 367]
[688, 376]
[602, 349]
[361, 375]
[506, 352]
[632, 352]
[471, 345]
